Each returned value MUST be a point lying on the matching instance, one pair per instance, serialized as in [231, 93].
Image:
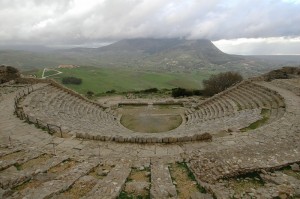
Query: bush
[11, 70]
[111, 91]
[198, 92]
[150, 90]
[180, 92]
[90, 93]
[71, 80]
[220, 82]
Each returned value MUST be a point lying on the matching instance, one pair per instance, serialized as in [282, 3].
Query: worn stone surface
[295, 167]
[161, 182]
[228, 153]
[111, 186]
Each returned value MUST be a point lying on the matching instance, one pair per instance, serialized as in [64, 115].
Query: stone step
[11, 177]
[289, 84]
[20, 159]
[60, 183]
[255, 102]
[240, 104]
[112, 184]
[247, 102]
[264, 102]
[161, 182]
[271, 96]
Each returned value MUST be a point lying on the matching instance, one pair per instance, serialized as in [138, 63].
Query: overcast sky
[235, 26]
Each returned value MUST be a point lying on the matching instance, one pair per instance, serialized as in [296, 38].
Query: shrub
[90, 93]
[179, 92]
[11, 70]
[150, 90]
[71, 80]
[220, 82]
[198, 92]
[111, 91]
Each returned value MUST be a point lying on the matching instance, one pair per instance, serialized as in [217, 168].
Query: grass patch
[137, 176]
[101, 80]
[265, 114]
[186, 183]
[50, 72]
[18, 166]
[245, 182]
[239, 107]
[192, 176]
[35, 161]
[65, 165]
[288, 171]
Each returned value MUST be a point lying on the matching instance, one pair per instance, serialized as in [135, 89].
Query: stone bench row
[238, 120]
[290, 84]
[14, 178]
[43, 102]
[59, 184]
[143, 138]
[68, 110]
[244, 96]
[162, 185]
[268, 147]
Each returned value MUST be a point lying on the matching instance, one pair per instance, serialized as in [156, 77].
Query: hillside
[146, 54]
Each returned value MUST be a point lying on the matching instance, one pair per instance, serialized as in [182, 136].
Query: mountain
[145, 53]
[159, 53]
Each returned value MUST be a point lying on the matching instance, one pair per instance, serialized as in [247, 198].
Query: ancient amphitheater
[57, 144]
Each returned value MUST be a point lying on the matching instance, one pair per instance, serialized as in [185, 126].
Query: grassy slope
[101, 80]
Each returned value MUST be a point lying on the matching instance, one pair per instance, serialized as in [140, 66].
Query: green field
[100, 80]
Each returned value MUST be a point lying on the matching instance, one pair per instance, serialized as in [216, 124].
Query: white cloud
[79, 22]
[261, 46]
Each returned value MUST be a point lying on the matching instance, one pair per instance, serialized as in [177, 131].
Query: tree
[220, 82]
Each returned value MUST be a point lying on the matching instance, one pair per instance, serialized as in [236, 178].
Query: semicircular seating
[235, 108]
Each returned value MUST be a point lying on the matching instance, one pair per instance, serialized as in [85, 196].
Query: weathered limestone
[112, 184]
[5, 163]
[14, 177]
[162, 186]
[259, 152]
[59, 184]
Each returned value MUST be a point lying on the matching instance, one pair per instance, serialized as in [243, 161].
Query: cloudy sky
[235, 26]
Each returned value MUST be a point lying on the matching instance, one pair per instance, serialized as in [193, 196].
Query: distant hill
[165, 52]
[150, 54]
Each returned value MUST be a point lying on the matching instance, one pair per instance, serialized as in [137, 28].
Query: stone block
[121, 139]
[165, 140]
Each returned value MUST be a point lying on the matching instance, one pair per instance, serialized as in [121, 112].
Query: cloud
[261, 46]
[82, 21]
